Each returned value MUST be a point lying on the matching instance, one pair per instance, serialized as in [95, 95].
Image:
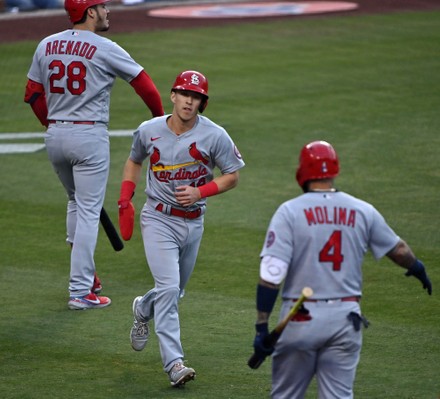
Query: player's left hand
[187, 195]
[418, 270]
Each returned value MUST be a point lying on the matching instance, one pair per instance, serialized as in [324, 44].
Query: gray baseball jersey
[326, 235]
[77, 69]
[187, 159]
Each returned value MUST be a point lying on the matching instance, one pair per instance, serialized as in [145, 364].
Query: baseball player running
[183, 149]
[319, 240]
[69, 86]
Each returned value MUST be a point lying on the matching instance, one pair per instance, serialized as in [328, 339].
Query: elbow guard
[33, 91]
[36, 98]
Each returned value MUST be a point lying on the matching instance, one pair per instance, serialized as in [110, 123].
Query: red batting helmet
[317, 160]
[193, 81]
[76, 8]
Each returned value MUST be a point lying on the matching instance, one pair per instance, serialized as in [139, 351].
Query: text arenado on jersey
[71, 47]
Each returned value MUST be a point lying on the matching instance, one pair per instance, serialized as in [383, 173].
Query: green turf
[368, 84]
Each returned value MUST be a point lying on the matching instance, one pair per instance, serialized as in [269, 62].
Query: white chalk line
[26, 148]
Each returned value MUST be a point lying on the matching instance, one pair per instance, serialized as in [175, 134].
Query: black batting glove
[418, 270]
[259, 347]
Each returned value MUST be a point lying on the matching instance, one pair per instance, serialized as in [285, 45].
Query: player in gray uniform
[319, 240]
[183, 149]
[69, 84]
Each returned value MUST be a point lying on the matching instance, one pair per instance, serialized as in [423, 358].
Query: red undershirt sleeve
[36, 98]
[146, 89]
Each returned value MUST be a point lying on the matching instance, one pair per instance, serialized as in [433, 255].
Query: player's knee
[168, 293]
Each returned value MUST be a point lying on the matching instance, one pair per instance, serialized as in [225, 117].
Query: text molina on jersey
[335, 215]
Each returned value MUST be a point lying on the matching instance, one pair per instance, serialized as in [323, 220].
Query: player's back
[78, 69]
[328, 234]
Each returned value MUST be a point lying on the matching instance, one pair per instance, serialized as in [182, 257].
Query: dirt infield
[37, 25]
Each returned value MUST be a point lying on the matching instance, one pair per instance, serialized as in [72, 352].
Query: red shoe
[97, 286]
[90, 301]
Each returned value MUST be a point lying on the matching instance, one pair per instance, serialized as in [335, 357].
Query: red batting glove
[126, 209]
[126, 219]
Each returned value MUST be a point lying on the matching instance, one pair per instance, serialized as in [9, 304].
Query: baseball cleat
[97, 286]
[90, 301]
[140, 331]
[180, 374]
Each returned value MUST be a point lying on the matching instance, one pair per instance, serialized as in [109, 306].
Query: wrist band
[127, 190]
[208, 190]
[266, 298]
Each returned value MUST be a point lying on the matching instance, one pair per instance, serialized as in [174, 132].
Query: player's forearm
[262, 317]
[146, 89]
[132, 171]
[227, 181]
[39, 107]
[402, 255]
[266, 297]
[219, 185]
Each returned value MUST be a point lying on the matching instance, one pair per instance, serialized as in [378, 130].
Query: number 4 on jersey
[331, 252]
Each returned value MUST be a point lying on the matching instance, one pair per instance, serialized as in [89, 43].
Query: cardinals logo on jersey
[192, 170]
[154, 157]
[196, 154]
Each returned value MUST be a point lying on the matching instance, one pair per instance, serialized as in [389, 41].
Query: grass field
[368, 84]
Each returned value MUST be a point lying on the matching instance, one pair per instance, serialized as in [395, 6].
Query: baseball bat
[255, 360]
[110, 230]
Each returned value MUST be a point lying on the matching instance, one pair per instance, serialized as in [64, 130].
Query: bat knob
[255, 361]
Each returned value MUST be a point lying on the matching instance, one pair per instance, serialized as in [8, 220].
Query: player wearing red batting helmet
[76, 8]
[193, 81]
[318, 160]
[69, 86]
[319, 239]
[185, 150]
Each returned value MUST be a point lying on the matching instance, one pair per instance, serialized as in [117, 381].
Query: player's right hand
[126, 209]
[126, 218]
[260, 348]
